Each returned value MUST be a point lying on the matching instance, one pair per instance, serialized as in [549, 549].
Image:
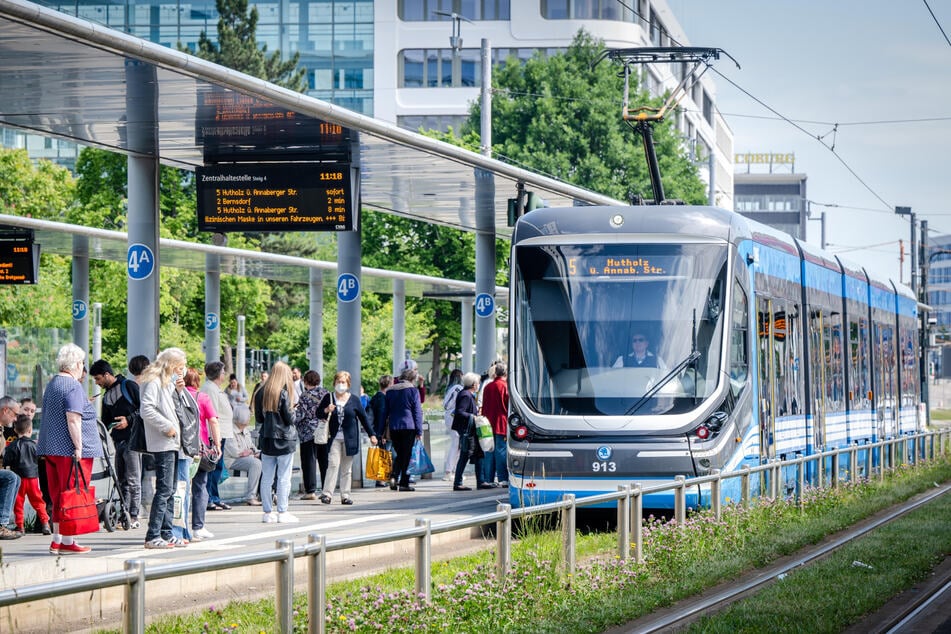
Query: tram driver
[640, 356]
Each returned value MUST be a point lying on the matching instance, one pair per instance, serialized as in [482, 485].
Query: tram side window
[835, 376]
[739, 351]
[885, 365]
[816, 361]
[792, 353]
[859, 387]
[909, 365]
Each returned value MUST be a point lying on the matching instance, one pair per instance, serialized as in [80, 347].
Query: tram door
[819, 348]
[766, 378]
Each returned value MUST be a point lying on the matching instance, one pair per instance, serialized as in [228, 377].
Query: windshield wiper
[693, 356]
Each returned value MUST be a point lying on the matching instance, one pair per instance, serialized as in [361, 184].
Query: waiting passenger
[242, 455]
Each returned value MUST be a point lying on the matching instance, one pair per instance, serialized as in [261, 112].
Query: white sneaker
[269, 518]
[287, 518]
[203, 533]
[448, 476]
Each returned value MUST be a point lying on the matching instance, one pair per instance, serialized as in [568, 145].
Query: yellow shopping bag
[379, 464]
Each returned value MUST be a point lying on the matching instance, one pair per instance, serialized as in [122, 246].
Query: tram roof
[65, 77]
[102, 244]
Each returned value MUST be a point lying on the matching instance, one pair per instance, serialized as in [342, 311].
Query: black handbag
[209, 460]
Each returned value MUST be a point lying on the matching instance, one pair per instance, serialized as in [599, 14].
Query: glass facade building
[334, 37]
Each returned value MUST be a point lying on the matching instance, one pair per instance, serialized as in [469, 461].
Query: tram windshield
[618, 329]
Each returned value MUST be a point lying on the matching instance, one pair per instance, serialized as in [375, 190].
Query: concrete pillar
[485, 229]
[81, 294]
[212, 307]
[316, 340]
[143, 256]
[399, 324]
[466, 338]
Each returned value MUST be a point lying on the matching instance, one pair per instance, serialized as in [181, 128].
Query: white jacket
[158, 415]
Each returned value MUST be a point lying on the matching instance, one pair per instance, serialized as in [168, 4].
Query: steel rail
[735, 592]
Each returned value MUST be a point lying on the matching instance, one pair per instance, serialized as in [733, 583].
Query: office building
[767, 189]
[392, 59]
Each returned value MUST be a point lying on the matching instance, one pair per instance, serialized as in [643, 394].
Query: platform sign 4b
[484, 305]
[348, 287]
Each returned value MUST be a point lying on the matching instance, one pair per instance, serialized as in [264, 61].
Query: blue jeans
[160, 514]
[501, 458]
[214, 477]
[182, 470]
[281, 467]
[488, 466]
[199, 498]
[9, 485]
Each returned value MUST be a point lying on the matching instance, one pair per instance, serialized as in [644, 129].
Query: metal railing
[765, 478]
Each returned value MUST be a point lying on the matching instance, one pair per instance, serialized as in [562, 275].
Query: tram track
[685, 612]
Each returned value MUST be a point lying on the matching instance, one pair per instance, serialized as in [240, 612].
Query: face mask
[175, 378]
[341, 388]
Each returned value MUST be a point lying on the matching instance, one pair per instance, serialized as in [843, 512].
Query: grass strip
[537, 596]
[856, 580]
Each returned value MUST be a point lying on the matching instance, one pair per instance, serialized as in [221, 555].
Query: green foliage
[680, 561]
[35, 190]
[561, 116]
[237, 48]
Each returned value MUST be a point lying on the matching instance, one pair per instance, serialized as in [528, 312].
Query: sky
[864, 65]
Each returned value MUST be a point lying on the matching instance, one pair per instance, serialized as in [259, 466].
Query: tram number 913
[603, 467]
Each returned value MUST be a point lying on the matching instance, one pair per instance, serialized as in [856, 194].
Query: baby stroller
[112, 510]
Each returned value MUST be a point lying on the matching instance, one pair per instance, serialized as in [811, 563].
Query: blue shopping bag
[419, 462]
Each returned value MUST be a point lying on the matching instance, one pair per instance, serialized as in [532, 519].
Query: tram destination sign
[275, 197]
[19, 262]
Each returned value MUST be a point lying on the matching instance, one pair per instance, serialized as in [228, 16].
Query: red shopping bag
[78, 514]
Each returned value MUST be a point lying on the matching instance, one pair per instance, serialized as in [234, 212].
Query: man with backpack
[120, 402]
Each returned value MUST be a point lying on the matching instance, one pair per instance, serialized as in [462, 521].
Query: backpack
[136, 426]
[187, 411]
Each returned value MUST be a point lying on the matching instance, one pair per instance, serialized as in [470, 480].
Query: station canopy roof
[66, 77]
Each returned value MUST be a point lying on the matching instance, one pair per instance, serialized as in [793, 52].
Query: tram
[655, 341]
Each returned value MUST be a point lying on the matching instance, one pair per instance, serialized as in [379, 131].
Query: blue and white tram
[758, 346]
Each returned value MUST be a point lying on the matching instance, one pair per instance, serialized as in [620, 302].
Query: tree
[41, 190]
[561, 116]
[237, 48]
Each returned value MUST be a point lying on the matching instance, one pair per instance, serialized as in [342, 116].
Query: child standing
[20, 456]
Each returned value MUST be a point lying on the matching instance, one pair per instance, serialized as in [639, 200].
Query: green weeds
[538, 596]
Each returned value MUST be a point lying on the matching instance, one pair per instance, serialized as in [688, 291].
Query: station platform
[27, 561]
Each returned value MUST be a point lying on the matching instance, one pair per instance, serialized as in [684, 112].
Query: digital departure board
[232, 127]
[621, 266]
[19, 262]
[275, 197]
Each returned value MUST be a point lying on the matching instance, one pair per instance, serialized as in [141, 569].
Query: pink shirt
[206, 411]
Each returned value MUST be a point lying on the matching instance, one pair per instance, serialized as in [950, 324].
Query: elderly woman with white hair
[68, 435]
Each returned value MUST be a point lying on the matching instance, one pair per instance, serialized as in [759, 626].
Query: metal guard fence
[886, 454]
